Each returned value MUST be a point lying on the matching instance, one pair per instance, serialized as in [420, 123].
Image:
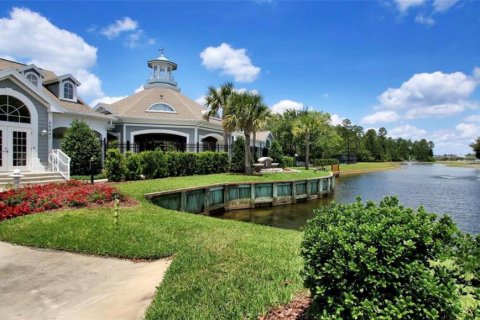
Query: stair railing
[59, 162]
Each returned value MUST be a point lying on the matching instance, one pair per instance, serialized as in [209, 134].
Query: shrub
[115, 168]
[324, 162]
[237, 163]
[181, 163]
[374, 262]
[275, 152]
[81, 144]
[288, 162]
[154, 164]
[133, 163]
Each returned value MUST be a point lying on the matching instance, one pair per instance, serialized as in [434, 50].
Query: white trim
[34, 162]
[34, 75]
[213, 135]
[173, 132]
[62, 90]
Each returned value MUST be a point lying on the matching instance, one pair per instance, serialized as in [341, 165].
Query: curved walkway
[39, 284]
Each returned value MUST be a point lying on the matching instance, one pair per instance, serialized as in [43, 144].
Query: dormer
[33, 74]
[65, 86]
[102, 108]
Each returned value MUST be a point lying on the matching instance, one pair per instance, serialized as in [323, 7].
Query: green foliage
[369, 261]
[212, 162]
[287, 162]
[154, 164]
[324, 162]
[237, 163]
[275, 151]
[133, 162]
[115, 168]
[81, 144]
[476, 147]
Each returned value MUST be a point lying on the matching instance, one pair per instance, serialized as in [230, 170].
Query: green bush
[115, 168]
[324, 162]
[287, 162]
[133, 163]
[154, 164]
[81, 144]
[181, 163]
[369, 261]
[237, 163]
[275, 152]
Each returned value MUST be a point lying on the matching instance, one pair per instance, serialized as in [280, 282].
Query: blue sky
[412, 66]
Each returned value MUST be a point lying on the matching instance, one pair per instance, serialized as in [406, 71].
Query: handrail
[60, 162]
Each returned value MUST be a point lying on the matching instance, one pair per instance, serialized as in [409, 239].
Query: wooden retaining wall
[234, 196]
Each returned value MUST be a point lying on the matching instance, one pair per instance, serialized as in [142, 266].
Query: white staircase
[30, 178]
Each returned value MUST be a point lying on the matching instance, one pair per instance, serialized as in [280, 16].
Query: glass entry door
[15, 146]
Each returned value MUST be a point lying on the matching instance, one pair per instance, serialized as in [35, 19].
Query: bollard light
[16, 175]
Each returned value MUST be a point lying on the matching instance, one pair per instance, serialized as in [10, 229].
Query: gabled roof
[263, 135]
[136, 106]
[79, 107]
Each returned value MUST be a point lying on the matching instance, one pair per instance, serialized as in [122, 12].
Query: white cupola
[161, 76]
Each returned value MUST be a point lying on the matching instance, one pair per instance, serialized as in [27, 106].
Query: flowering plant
[36, 198]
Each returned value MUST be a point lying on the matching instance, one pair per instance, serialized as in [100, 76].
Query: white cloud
[426, 20]
[201, 100]
[113, 30]
[467, 130]
[407, 132]
[404, 5]
[134, 39]
[283, 105]
[473, 118]
[28, 36]
[107, 100]
[455, 140]
[476, 73]
[443, 5]
[439, 111]
[141, 88]
[230, 61]
[335, 119]
[380, 117]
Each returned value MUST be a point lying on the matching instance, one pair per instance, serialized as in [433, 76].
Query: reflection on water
[440, 189]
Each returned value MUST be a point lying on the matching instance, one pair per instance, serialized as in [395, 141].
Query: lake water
[440, 189]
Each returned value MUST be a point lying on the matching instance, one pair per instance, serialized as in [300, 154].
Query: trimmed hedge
[287, 162]
[324, 162]
[159, 164]
[384, 261]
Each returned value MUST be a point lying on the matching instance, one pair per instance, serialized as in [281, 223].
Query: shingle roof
[77, 107]
[263, 135]
[137, 104]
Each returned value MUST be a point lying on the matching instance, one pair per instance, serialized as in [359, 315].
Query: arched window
[68, 91]
[13, 110]
[33, 79]
[160, 107]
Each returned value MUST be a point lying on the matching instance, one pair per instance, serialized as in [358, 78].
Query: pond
[440, 189]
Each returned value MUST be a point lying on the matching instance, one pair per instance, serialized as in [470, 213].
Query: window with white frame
[161, 107]
[32, 78]
[68, 91]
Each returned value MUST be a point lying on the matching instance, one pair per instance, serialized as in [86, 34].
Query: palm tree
[262, 115]
[240, 114]
[306, 126]
[217, 100]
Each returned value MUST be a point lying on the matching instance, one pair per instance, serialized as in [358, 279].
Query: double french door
[15, 148]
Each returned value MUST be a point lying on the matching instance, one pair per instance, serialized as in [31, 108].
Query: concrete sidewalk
[39, 284]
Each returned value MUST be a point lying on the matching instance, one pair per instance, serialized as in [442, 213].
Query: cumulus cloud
[29, 37]
[107, 100]
[201, 100]
[123, 25]
[380, 117]
[230, 61]
[335, 119]
[426, 20]
[473, 118]
[434, 94]
[407, 132]
[141, 88]
[404, 5]
[468, 130]
[443, 5]
[284, 105]
[476, 73]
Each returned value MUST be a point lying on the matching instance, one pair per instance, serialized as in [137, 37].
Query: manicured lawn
[461, 164]
[221, 270]
[368, 166]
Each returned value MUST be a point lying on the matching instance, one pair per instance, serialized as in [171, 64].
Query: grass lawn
[461, 164]
[222, 269]
[368, 166]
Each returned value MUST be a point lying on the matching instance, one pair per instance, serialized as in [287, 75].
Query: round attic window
[160, 107]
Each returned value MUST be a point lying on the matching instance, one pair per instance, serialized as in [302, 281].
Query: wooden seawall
[234, 196]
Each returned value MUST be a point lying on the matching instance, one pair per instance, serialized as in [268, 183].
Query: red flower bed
[37, 198]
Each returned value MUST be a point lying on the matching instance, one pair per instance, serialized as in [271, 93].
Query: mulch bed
[294, 310]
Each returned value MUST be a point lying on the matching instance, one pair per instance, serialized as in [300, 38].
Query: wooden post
[308, 188]
[320, 185]
[294, 192]
[274, 194]
[183, 201]
[206, 206]
[252, 196]
[225, 197]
